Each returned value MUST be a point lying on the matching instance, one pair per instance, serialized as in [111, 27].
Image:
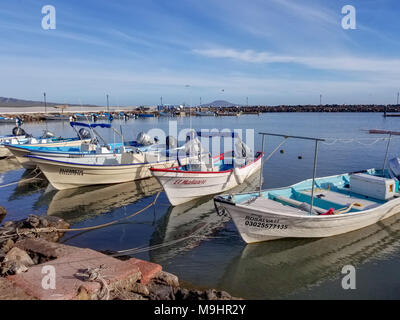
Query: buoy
[282, 151]
[299, 157]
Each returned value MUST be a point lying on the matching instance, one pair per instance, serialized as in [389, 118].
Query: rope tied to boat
[275, 150]
[53, 229]
[20, 181]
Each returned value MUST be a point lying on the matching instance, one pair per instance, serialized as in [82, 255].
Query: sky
[272, 52]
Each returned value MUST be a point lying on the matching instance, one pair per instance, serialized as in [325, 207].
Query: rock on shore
[82, 274]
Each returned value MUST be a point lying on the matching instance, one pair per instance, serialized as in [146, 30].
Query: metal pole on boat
[261, 169]
[314, 174]
[45, 103]
[386, 155]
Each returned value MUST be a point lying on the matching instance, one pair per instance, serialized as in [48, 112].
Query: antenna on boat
[317, 140]
[387, 152]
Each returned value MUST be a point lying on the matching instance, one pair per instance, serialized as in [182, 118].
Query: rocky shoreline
[80, 274]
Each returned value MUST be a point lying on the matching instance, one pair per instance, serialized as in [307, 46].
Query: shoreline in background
[39, 113]
[243, 109]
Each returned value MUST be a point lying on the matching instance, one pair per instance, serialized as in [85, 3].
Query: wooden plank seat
[338, 200]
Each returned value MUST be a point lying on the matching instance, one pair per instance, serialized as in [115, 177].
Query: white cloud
[341, 63]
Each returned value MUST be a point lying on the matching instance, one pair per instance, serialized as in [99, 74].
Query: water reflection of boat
[8, 165]
[30, 183]
[279, 268]
[80, 204]
[197, 217]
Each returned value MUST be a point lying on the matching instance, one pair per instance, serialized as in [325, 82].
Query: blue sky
[272, 51]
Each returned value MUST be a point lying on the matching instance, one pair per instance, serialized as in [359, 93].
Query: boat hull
[4, 152]
[261, 225]
[67, 175]
[19, 152]
[181, 186]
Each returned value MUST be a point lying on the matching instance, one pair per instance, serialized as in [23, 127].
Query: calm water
[217, 257]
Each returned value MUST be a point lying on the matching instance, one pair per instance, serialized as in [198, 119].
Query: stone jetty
[33, 265]
[226, 111]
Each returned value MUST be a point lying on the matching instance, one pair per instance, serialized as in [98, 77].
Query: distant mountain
[220, 103]
[12, 102]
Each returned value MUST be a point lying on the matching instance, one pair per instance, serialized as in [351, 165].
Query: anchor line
[19, 181]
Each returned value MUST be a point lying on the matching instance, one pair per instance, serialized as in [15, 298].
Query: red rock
[70, 261]
[148, 269]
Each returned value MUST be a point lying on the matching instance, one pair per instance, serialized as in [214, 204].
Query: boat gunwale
[43, 160]
[261, 154]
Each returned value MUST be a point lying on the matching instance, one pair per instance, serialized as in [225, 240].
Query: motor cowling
[84, 134]
[171, 142]
[17, 131]
[144, 139]
[48, 134]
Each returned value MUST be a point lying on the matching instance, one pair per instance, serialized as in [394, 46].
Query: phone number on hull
[71, 172]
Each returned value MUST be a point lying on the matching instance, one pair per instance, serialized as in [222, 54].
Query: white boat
[314, 208]
[185, 183]
[210, 175]
[56, 117]
[8, 120]
[341, 204]
[21, 150]
[205, 113]
[64, 173]
[48, 146]
[18, 136]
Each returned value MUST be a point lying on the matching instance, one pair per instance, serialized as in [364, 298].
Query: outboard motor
[18, 131]
[171, 142]
[48, 134]
[84, 134]
[19, 121]
[144, 139]
[192, 135]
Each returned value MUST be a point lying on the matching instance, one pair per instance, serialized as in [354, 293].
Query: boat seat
[296, 203]
[265, 204]
[338, 200]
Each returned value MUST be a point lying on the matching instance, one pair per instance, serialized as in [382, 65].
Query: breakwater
[217, 111]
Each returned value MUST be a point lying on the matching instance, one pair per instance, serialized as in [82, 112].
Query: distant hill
[15, 103]
[220, 103]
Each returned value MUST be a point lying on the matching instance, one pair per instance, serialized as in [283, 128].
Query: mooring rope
[94, 274]
[19, 181]
[332, 141]
[52, 229]
[275, 150]
[165, 244]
